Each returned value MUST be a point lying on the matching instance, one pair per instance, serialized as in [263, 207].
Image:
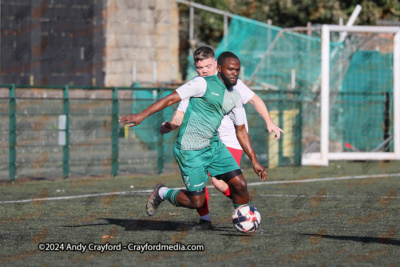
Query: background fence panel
[63, 131]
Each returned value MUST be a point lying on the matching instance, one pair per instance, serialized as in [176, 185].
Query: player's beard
[226, 81]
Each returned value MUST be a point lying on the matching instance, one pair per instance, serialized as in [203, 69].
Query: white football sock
[206, 217]
[161, 192]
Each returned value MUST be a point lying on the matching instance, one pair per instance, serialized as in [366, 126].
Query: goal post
[323, 156]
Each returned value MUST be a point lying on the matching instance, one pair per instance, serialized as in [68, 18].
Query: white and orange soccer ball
[246, 219]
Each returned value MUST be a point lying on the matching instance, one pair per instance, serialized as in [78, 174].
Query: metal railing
[75, 146]
[66, 111]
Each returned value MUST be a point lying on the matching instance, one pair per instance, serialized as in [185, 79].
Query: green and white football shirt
[210, 101]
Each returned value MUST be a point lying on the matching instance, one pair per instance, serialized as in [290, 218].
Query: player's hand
[131, 120]
[274, 128]
[260, 171]
[166, 127]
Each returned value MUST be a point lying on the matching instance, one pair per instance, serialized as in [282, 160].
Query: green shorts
[194, 164]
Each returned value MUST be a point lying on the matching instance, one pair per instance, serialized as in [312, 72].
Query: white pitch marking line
[328, 179]
[259, 183]
[322, 196]
[327, 196]
[72, 197]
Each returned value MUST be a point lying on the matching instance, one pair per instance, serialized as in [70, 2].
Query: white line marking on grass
[259, 183]
[322, 196]
[328, 179]
[326, 196]
[73, 197]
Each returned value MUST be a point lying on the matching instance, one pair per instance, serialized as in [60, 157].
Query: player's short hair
[203, 53]
[225, 55]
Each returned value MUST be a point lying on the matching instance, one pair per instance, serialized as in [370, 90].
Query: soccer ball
[246, 219]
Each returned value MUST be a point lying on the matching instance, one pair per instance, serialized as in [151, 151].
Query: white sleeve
[183, 105]
[194, 88]
[245, 92]
[238, 114]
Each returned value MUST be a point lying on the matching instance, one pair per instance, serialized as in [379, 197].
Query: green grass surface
[349, 222]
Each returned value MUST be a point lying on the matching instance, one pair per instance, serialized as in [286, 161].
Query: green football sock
[171, 196]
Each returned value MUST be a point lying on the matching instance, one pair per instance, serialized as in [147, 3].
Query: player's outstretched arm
[263, 111]
[135, 119]
[176, 121]
[244, 141]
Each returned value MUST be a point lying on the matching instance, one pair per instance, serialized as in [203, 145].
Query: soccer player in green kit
[198, 149]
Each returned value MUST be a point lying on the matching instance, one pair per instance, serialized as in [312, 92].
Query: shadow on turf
[156, 225]
[143, 225]
[375, 240]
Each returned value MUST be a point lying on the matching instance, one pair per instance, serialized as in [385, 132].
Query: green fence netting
[366, 102]
[361, 80]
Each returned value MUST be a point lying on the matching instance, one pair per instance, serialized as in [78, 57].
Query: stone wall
[141, 33]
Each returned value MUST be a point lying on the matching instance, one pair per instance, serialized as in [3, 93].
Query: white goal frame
[323, 157]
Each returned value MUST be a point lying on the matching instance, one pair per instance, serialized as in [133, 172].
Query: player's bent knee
[197, 204]
[243, 184]
[197, 198]
[239, 185]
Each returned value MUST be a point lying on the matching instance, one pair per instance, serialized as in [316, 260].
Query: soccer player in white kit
[206, 65]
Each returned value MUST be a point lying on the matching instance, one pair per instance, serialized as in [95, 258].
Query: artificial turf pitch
[306, 219]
